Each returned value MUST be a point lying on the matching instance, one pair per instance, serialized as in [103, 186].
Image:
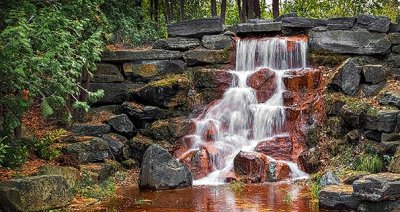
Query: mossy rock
[70, 174]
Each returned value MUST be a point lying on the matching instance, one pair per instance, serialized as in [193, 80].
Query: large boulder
[264, 83]
[348, 77]
[374, 74]
[148, 70]
[341, 23]
[122, 125]
[385, 121]
[359, 42]
[91, 129]
[142, 115]
[373, 23]
[178, 43]
[160, 171]
[196, 28]
[129, 55]
[114, 93]
[217, 42]
[90, 151]
[205, 56]
[38, 193]
[254, 28]
[251, 167]
[117, 144]
[107, 73]
[70, 174]
[378, 187]
[279, 148]
[338, 197]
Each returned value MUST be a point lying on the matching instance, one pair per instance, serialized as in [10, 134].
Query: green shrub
[3, 150]
[369, 162]
[43, 146]
[16, 153]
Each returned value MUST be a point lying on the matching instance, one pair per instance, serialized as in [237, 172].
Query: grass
[315, 188]
[89, 188]
[237, 186]
[142, 201]
[372, 163]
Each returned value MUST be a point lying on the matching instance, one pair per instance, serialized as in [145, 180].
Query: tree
[213, 8]
[223, 10]
[275, 8]
[181, 10]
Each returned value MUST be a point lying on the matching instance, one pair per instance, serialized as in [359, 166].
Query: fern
[46, 108]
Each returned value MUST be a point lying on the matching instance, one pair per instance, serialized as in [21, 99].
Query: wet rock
[177, 43]
[213, 82]
[116, 143]
[338, 197]
[385, 121]
[217, 42]
[390, 99]
[379, 206]
[329, 179]
[93, 150]
[142, 115]
[374, 74]
[169, 92]
[277, 171]
[70, 174]
[394, 38]
[251, 167]
[128, 55]
[99, 172]
[91, 129]
[394, 166]
[196, 28]
[373, 23]
[359, 42]
[378, 187]
[122, 125]
[205, 56]
[309, 160]
[372, 90]
[148, 70]
[38, 193]
[107, 73]
[348, 77]
[341, 23]
[263, 82]
[170, 129]
[254, 28]
[114, 93]
[279, 148]
[161, 171]
[199, 162]
[300, 22]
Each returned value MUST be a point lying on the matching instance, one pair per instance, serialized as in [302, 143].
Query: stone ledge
[129, 55]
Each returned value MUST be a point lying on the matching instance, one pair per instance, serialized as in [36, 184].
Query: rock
[99, 172]
[390, 136]
[38, 193]
[394, 38]
[359, 42]
[279, 18]
[348, 77]
[373, 135]
[394, 165]
[170, 129]
[300, 22]
[280, 148]
[385, 121]
[177, 43]
[390, 99]
[373, 23]
[341, 23]
[379, 206]
[160, 171]
[216, 42]
[251, 167]
[116, 143]
[114, 93]
[396, 49]
[93, 150]
[309, 160]
[142, 115]
[263, 82]
[138, 55]
[338, 197]
[70, 174]
[205, 56]
[393, 60]
[169, 92]
[107, 73]
[329, 179]
[107, 109]
[148, 70]
[257, 28]
[196, 28]
[374, 74]
[378, 187]
[277, 171]
[122, 125]
[139, 144]
[353, 136]
[354, 118]
[130, 164]
[213, 82]
[354, 176]
[91, 129]
[372, 90]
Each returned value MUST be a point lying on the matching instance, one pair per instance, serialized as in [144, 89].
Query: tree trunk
[213, 8]
[250, 9]
[156, 11]
[275, 8]
[223, 10]
[151, 10]
[181, 9]
[168, 14]
[172, 9]
[257, 9]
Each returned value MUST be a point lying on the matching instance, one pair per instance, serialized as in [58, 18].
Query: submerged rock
[378, 187]
[338, 197]
[38, 193]
[160, 171]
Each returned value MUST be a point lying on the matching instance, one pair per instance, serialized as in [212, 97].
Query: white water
[240, 122]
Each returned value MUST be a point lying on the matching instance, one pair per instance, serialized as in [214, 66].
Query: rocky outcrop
[338, 197]
[38, 193]
[122, 125]
[378, 187]
[205, 56]
[196, 28]
[93, 150]
[161, 171]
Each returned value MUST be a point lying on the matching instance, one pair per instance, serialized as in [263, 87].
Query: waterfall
[239, 121]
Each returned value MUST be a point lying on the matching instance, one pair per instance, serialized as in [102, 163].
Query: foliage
[17, 152]
[237, 186]
[369, 162]
[43, 146]
[90, 188]
[3, 150]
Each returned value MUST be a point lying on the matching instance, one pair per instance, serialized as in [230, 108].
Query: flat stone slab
[338, 197]
[205, 56]
[378, 187]
[300, 22]
[196, 28]
[129, 55]
[177, 43]
[360, 42]
[248, 28]
[114, 93]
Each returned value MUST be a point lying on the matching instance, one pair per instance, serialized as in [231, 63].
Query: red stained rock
[263, 82]
[210, 133]
[201, 164]
[230, 177]
[278, 171]
[280, 148]
[251, 167]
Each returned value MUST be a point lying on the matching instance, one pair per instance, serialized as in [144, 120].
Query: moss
[146, 70]
[170, 80]
[322, 59]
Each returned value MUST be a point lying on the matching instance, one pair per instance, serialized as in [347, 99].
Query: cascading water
[239, 121]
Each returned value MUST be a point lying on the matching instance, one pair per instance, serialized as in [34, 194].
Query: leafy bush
[43, 146]
[15, 153]
[372, 163]
[3, 150]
